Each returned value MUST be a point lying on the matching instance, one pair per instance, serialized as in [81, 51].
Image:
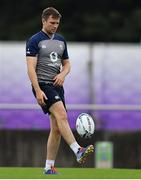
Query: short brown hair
[50, 11]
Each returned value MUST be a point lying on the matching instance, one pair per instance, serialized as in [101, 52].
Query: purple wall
[115, 78]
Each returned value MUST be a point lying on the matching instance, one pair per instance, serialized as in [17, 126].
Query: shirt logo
[61, 46]
[53, 56]
[43, 46]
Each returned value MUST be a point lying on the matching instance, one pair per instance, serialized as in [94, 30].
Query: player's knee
[55, 130]
[62, 116]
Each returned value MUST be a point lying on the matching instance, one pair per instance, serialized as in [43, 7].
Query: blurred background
[105, 81]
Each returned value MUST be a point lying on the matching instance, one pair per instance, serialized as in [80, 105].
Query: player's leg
[52, 146]
[54, 139]
[59, 112]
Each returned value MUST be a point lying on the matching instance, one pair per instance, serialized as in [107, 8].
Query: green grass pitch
[69, 173]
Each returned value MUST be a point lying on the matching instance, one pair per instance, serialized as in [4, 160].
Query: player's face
[51, 24]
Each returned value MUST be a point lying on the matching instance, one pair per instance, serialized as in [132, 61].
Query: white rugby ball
[85, 125]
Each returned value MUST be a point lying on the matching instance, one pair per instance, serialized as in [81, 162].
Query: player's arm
[31, 67]
[60, 78]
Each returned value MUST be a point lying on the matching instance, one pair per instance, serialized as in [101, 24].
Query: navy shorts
[53, 93]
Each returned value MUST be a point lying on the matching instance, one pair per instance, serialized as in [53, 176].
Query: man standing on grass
[48, 64]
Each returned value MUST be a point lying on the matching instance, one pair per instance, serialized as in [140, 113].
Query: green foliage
[91, 20]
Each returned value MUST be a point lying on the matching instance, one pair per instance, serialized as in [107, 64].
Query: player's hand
[59, 80]
[40, 96]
